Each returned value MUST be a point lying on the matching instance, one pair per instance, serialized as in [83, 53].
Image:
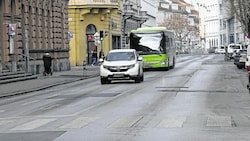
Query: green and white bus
[156, 45]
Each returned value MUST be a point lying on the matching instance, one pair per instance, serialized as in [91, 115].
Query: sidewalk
[43, 82]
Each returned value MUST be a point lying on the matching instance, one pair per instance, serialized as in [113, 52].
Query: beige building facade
[28, 29]
[87, 18]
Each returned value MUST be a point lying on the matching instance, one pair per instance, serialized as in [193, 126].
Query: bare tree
[241, 10]
[181, 26]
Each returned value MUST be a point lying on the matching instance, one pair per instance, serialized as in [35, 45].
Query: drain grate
[220, 121]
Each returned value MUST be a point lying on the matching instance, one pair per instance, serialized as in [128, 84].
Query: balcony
[94, 3]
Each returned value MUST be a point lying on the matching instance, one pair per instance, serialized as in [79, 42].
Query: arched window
[91, 29]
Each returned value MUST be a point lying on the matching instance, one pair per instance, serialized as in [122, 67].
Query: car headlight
[131, 66]
[106, 67]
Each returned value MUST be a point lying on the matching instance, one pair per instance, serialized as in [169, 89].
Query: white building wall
[160, 17]
[202, 28]
[162, 14]
[212, 24]
[229, 26]
[151, 6]
[175, 7]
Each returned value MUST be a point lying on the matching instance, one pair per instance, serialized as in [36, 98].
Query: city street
[203, 98]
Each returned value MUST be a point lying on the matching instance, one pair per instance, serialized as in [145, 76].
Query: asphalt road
[203, 98]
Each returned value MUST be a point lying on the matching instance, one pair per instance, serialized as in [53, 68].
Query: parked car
[232, 49]
[212, 50]
[220, 50]
[122, 64]
[240, 58]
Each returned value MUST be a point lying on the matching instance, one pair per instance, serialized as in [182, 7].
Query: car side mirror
[139, 58]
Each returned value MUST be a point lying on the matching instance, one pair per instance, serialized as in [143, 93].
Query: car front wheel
[138, 78]
[142, 77]
[105, 81]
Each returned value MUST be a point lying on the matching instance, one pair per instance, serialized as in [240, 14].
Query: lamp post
[26, 51]
[127, 13]
[144, 18]
[11, 33]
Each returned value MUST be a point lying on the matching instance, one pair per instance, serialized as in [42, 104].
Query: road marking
[3, 122]
[126, 122]
[33, 124]
[31, 102]
[219, 121]
[172, 122]
[79, 122]
[2, 111]
[50, 107]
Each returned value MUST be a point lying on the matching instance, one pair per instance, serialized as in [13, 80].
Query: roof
[122, 50]
[149, 29]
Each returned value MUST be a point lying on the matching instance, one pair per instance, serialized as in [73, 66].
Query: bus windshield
[150, 43]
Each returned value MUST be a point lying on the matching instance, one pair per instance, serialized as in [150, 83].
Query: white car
[240, 58]
[121, 64]
[248, 61]
[220, 50]
[234, 47]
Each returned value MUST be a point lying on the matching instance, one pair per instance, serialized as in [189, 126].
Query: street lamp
[127, 13]
[11, 32]
[144, 18]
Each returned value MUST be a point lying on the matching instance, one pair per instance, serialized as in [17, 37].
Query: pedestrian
[101, 55]
[94, 57]
[47, 61]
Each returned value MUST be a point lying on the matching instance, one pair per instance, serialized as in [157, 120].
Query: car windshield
[243, 51]
[120, 56]
[147, 43]
[235, 46]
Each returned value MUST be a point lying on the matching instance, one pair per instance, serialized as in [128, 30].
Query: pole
[12, 54]
[102, 49]
[26, 52]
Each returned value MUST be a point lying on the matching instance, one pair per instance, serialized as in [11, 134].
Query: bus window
[171, 42]
[147, 43]
[167, 42]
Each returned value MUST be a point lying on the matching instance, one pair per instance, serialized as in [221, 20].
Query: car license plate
[118, 75]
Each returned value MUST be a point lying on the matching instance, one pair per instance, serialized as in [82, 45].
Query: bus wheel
[173, 63]
[168, 67]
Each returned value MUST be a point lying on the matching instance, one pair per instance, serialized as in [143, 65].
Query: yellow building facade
[86, 19]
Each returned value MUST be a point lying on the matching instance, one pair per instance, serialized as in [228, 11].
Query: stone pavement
[43, 82]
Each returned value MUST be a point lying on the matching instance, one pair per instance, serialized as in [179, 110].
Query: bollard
[84, 66]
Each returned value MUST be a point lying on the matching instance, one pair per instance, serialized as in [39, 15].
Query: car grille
[118, 69]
